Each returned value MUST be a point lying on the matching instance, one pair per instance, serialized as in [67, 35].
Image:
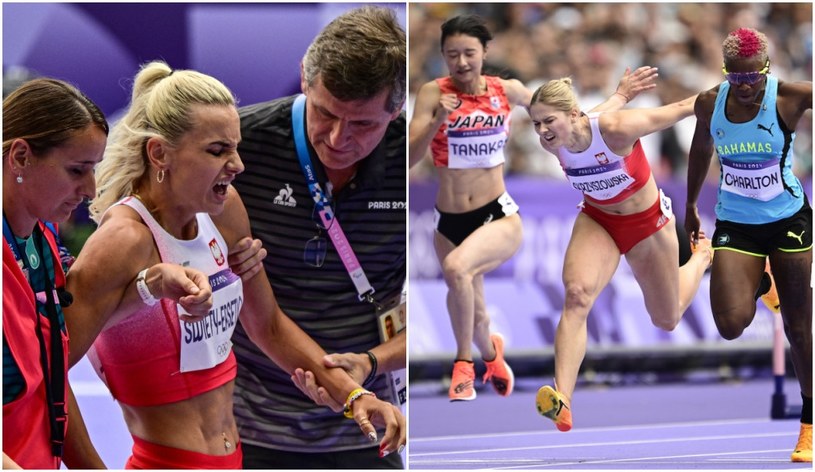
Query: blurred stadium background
[594, 43]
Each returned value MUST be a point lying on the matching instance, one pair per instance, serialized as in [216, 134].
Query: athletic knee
[456, 274]
[729, 324]
[579, 297]
[668, 323]
[730, 332]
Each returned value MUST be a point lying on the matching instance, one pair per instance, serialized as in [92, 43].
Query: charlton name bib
[758, 180]
[600, 182]
[476, 148]
[207, 342]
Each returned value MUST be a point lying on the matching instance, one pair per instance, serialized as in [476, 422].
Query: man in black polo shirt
[353, 136]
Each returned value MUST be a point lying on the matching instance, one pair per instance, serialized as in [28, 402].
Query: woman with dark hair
[53, 136]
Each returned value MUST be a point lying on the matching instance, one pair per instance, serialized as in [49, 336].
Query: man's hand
[358, 366]
[246, 258]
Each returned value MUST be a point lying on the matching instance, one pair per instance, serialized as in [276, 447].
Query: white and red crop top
[602, 175]
[152, 357]
[475, 133]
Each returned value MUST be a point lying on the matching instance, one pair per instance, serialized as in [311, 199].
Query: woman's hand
[632, 84]
[692, 223]
[448, 102]
[369, 412]
[186, 286]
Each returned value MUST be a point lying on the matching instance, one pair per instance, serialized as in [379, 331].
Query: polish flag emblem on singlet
[216, 252]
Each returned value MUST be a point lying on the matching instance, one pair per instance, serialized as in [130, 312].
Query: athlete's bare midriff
[197, 424]
[640, 201]
[463, 190]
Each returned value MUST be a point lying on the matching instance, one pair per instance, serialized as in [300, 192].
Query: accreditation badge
[392, 320]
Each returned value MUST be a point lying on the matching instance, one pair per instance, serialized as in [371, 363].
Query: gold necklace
[139, 198]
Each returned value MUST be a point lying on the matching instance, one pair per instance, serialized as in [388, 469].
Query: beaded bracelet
[355, 394]
[374, 365]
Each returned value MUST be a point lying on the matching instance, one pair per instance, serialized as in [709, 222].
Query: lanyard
[322, 203]
[31, 260]
[53, 372]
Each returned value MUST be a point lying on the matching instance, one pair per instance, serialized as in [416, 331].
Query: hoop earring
[19, 179]
[160, 176]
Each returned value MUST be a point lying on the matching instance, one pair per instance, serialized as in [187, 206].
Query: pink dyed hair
[745, 43]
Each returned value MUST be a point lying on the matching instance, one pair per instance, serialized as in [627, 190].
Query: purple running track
[677, 426]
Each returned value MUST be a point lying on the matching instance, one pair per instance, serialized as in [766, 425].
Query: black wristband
[374, 365]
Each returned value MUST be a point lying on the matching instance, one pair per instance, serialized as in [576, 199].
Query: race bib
[758, 180]
[207, 342]
[600, 182]
[476, 148]
[508, 205]
[665, 208]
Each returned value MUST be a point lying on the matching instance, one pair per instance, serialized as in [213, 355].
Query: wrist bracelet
[144, 291]
[374, 365]
[356, 393]
[627, 99]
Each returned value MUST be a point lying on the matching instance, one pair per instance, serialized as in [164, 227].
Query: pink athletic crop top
[153, 358]
[475, 133]
[601, 175]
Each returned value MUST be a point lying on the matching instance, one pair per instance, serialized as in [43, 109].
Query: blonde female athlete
[464, 120]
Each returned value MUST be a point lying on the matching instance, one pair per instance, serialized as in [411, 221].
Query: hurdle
[779, 410]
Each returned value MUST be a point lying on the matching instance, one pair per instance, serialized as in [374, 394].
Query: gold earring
[160, 176]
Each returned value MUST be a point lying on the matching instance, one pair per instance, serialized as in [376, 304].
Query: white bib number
[757, 180]
[207, 342]
[476, 148]
[600, 182]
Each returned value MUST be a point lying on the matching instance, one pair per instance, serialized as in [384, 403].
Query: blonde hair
[557, 93]
[160, 107]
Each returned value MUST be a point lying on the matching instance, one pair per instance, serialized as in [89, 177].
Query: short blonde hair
[160, 107]
[557, 93]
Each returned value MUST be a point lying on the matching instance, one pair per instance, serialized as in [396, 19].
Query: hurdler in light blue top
[756, 184]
